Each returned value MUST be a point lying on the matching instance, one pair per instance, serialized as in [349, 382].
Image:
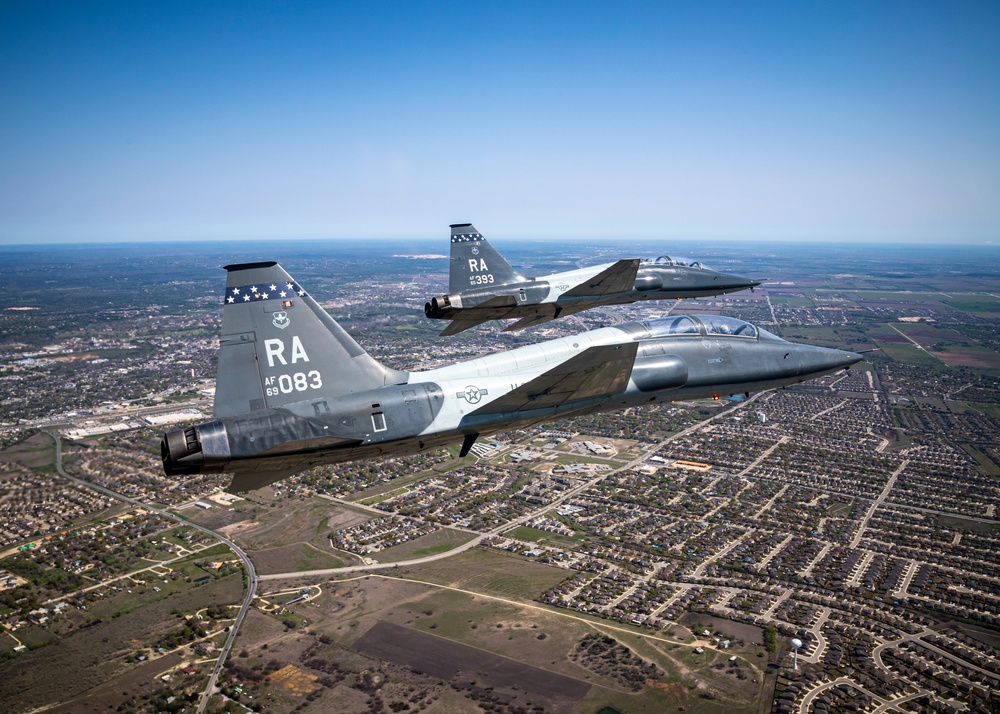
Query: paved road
[509, 525]
[247, 563]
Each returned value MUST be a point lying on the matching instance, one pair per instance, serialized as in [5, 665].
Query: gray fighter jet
[482, 286]
[293, 389]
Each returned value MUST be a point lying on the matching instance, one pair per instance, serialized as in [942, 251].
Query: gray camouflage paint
[294, 390]
[483, 286]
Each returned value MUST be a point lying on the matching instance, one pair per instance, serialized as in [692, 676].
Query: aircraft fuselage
[462, 401]
[652, 282]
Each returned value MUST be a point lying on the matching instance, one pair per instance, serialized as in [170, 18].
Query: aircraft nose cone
[824, 360]
[733, 283]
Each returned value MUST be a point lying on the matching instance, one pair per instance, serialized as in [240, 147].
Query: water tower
[796, 644]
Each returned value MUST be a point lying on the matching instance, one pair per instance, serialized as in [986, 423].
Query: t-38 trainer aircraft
[294, 390]
[482, 286]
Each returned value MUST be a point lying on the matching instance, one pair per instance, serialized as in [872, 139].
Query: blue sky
[875, 121]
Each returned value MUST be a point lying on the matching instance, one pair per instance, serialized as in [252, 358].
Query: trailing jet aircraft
[294, 390]
[482, 286]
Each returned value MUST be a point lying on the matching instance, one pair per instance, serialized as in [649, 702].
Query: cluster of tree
[52, 578]
[189, 632]
[605, 655]
[770, 638]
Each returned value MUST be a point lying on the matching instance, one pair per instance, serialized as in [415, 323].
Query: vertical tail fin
[475, 262]
[278, 346]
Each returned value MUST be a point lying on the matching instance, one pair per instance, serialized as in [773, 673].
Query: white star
[273, 286]
[290, 286]
[253, 289]
[263, 296]
[236, 291]
[282, 293]
[301, 293]
[231, 299]
[246, 298]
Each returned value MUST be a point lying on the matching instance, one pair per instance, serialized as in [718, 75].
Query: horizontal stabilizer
[252, 480]
[597, 372]
[456, 326]
[530, 321]
[618, 278]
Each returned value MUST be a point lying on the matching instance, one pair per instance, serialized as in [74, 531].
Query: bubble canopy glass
[666, 260]
[699, 325]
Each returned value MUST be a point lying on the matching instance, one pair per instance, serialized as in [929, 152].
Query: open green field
[791, 301]
[904, 295]
[979, 304]
[492, 572]
[535, 535]
[894, 347]
[992, 410]
[37, 452]
[440, 541]
[293, 557]
[982, 459]
[967, 525]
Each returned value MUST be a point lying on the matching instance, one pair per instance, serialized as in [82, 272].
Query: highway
[252, 579]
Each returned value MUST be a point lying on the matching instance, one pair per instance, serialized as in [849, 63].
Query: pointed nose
[816, 361]
[733, 283]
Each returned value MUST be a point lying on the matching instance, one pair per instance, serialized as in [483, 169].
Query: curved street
[251, 590]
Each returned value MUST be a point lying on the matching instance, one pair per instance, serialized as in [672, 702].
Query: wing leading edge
[597, 372]
[617, 278]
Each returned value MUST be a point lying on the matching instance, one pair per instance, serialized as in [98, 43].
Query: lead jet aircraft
[482, 286]
[293, 389]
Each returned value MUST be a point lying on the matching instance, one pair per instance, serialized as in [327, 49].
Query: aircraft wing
[619, 278]
[596, 372]
[496, 308]
[456, 326]
[543, 313]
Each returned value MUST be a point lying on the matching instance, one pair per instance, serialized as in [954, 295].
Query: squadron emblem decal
[280, 320]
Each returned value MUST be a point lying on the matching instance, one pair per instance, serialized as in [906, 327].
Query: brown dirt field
[961, 359]
[34, 452]
[446, 660]
[294, 680]
[751, 634]
[298, 556]
[925, 335]
[876, 336]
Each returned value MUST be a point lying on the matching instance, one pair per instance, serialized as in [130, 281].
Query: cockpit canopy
[666, 261]
[705, 325]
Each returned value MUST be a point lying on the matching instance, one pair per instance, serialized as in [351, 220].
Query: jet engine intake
[648, 281]
[659, 372]
[197, 449]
